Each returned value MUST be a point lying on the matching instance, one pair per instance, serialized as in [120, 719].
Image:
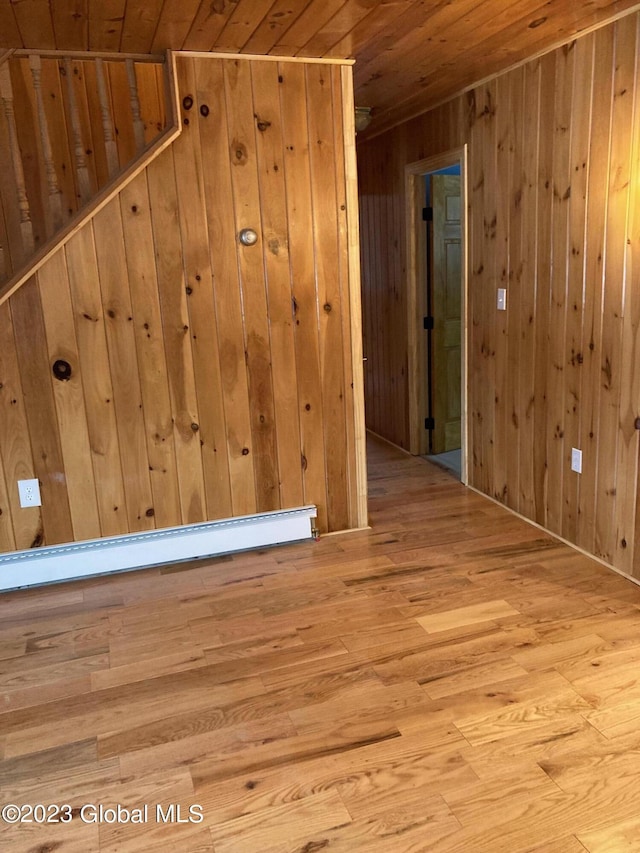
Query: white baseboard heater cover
[54, 563]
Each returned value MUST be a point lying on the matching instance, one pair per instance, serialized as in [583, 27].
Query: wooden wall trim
[90, 54]
[304, 60]
[355, 302]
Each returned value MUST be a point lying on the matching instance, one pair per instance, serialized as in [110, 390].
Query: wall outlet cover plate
[29, 493]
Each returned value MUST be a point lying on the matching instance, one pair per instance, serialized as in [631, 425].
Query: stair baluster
[26, 226]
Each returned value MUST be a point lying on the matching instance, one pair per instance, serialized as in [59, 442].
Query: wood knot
[204, 111]
[327, 307]
[187, 102]
[262, 124]
[150, 512]
[195, 427]
[239, 150]
[245, 451]
[62, 370]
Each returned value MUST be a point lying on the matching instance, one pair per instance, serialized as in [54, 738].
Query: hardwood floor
[450, 680]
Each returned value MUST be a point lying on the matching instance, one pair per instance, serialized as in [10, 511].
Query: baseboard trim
[55, 563]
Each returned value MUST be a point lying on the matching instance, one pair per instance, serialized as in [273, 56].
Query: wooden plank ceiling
[410, 54]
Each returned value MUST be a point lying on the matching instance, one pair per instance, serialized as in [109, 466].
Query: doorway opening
[436, 273]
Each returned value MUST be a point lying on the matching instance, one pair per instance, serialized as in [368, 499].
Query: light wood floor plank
[451, 680]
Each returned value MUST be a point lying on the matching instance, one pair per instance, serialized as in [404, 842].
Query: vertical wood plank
[320, 110]
[246, 198]
[31, 346]
[123, 363]
[559, 272]
[54, 108]
[96, 378]
[614, 283]
[627, 554]
[15, 447]
[121, 111]
[102, 138]
[143, 286]
[270, 155]
[579, 161]
[597, 190]
[177, 338]
[53, 282]
[530, 230]
[542, 401]
[222, 239]
[299, 209]
[7, 538]
[152, 110]
[189, 167]
[504, 143]
[516, 320]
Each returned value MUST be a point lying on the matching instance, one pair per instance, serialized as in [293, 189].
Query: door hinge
[428, 323]
[429, 423]
[427, 214]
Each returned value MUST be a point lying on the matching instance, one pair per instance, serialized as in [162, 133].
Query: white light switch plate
[502, 299]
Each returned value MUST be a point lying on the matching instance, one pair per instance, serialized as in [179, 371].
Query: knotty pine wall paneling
[204, 379]
[553, 203]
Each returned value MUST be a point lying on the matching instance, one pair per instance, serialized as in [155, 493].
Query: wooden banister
[64, 212]
[74, 127]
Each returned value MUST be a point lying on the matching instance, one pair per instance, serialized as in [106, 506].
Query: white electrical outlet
[29, 492]
[502, 299]
[576, 460]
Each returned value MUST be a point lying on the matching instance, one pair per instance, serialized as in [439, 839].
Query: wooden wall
[554, 216]
[207, 379]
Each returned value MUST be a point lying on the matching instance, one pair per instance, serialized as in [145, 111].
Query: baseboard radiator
[55, 563]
